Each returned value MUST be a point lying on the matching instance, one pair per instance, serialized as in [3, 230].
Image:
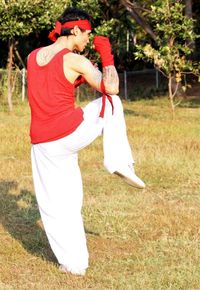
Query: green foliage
[174, 44]
[106, 27]
[174, 35]
[91, 6]
[21, 17]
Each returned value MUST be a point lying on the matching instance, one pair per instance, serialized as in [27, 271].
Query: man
[59, 130]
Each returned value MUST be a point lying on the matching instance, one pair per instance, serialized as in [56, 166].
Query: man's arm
[111, 79]
[94, 77]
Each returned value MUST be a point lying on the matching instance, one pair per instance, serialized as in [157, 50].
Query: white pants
[58, 183]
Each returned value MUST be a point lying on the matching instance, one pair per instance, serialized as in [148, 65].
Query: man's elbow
[112, 90]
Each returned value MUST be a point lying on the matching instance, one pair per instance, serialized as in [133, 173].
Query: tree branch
[19, 57]
[175, 91]
[132, 9]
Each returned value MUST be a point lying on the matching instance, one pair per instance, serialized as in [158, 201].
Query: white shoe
[130, 177]
[64, 269]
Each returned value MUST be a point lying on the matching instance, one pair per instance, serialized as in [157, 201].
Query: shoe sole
[129, 181]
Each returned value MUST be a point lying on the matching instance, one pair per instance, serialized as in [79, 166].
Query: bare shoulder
[76, 59]
[44, 55]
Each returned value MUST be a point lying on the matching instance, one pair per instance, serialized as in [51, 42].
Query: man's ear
[75, 30]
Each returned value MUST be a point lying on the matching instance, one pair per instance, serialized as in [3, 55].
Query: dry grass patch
[146, 239]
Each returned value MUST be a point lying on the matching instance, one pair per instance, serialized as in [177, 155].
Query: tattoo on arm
[111, 79]
[109, 76]
[97, 77]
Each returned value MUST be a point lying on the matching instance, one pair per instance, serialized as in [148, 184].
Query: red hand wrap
[79, 81]
[103, 47]
[104, 96]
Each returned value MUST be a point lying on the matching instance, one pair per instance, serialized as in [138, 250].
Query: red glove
[103, 47]
[79, 81]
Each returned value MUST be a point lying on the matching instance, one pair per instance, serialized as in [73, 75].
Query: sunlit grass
[137, 239]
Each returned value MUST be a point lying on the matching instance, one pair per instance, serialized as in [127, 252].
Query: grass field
[137, 239]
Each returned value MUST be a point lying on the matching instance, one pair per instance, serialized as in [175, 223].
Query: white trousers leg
[58, 187]
[117, 151]
[58, 183]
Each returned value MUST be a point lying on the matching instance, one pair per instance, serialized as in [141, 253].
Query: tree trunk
[9, 73]
[171, 95]
[188, 8]
[177, 88]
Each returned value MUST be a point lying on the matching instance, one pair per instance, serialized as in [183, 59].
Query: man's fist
[100, 42]
[103, 47]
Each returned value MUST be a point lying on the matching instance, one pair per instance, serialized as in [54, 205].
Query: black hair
[71, 14]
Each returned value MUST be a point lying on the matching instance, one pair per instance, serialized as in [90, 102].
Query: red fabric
[51, 99]
[104, 96]
[83, 24]
[103, 47]
[79, 81]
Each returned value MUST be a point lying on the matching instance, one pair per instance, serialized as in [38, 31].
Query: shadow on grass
[190, 103]
[22, 221]
[136, 114]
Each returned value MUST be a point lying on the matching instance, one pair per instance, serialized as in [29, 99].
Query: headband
[83, 24]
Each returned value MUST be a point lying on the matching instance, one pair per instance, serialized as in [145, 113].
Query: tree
[19, 18]
[170, 54]
[133, 8]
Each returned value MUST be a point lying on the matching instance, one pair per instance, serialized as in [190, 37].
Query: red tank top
[51, 99]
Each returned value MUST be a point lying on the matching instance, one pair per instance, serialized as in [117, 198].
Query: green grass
[137, 239]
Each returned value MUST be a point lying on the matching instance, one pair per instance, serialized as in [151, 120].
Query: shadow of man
[20, 217]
